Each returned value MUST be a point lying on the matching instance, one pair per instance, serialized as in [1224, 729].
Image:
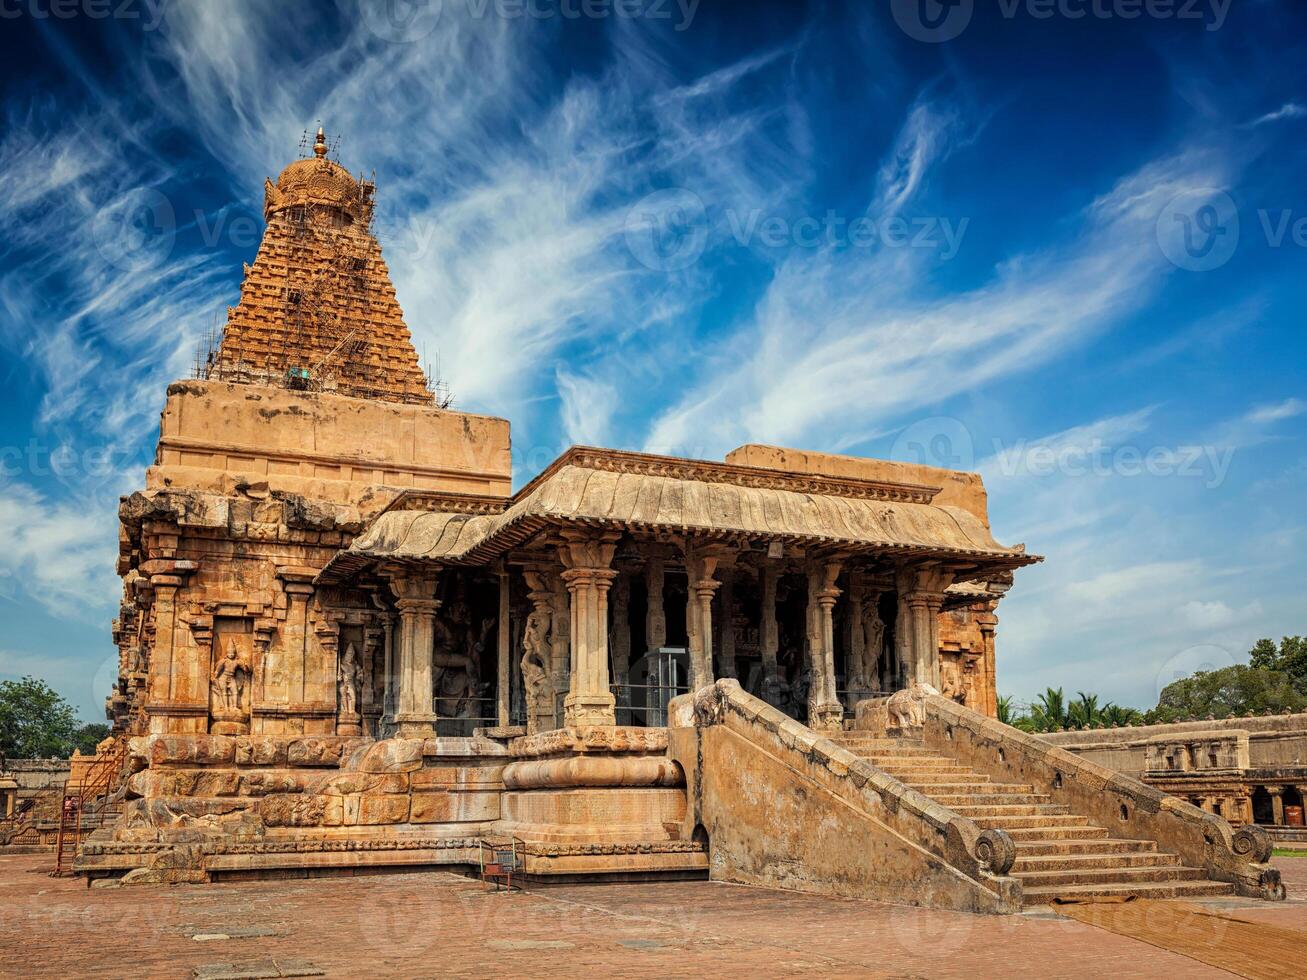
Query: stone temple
[346, 644]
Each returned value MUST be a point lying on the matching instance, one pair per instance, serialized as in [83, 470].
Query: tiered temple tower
[308, 417]
[317, 309]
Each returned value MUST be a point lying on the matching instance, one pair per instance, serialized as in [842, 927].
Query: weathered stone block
[391, 755]
[193, 750]
[457, 777]
[260, 750]
[293, 810]
[315, 752]
[440, 807]
[382, 808]
[346, 783]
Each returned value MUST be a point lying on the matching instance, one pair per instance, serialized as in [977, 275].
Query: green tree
[1228, 692]
[1084, 711]
[1049, 713]
[1115, 716]
[88, 736]
[1005, 713]
[1290, 657]
[35, 722]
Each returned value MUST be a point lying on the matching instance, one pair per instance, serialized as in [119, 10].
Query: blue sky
[1058, 243]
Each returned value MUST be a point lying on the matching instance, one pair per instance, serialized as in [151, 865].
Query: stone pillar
[326, 674]
[537, 652]
[769, 634]
[726, 618]
[988, 623]
[178, 673]
[1277, 804]
[588, 557]
[700, 568]
[655, 617]
[504, 677]
[619, 642]
[923, 592]
[284, 673]
[374, 660]
[857, 672]
[388, 697]
[824, 709]
[415, 597]
[897, 673]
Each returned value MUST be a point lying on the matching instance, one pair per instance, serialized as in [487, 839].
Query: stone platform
[421, 925]
[596, 801]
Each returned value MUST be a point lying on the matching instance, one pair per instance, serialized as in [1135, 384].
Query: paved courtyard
[429, 925]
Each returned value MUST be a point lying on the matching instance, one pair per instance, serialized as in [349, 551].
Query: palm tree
[1049, 713]
[1115, 716]
[1084, 712]
[1005, 710]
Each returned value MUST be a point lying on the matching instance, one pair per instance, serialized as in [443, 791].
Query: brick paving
[442, 925]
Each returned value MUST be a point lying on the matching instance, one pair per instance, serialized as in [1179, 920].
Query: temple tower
[307, 418]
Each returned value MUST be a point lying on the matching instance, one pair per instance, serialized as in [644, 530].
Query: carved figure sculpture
[906, 709]
[535, 669]
[350, 676]
[950, 679]
[864, 669]
[228, 679]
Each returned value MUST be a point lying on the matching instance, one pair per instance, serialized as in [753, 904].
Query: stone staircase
[1059, 853]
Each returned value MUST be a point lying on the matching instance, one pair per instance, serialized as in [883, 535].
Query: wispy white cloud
[1287, 409]
[846, 338]
[1290, 110]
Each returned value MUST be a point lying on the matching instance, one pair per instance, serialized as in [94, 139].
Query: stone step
[986, 810]
[1092, 860]
[955, 800]
[916, 762]
[1045, 894]
[882, 748]
[1110, 876]
[1064, 846]
[924, 772]
[1020, 835]
[882, 744]
[945, 785]
[1022, 821]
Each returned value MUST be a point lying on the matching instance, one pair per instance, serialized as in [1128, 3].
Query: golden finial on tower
[320, 144]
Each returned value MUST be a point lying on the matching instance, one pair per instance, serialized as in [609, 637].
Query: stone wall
[215, 436]
[1274, 741]
[34, 776]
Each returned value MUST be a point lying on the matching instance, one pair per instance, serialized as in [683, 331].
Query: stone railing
[1124, 805]
[967, 868]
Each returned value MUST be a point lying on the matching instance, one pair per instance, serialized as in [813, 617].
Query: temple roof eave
[662, 496]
